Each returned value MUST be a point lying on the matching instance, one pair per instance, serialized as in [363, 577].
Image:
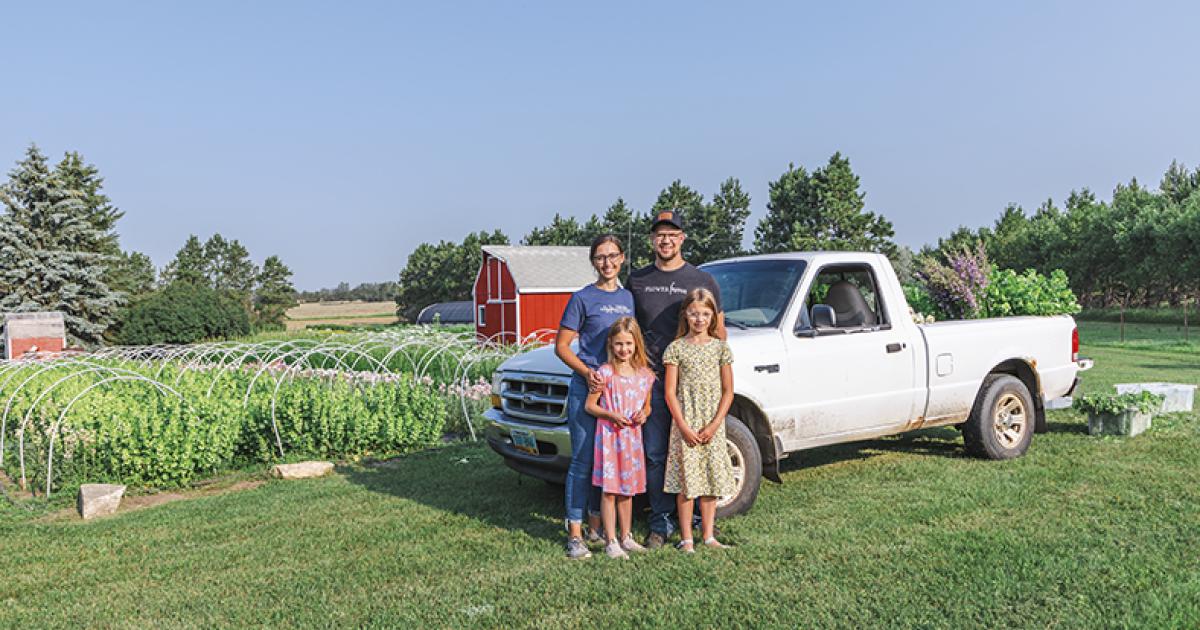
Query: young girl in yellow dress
[698, 384]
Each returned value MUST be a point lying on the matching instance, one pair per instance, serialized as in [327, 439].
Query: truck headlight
[496, 401]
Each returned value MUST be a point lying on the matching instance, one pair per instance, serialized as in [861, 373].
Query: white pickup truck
[826, 351]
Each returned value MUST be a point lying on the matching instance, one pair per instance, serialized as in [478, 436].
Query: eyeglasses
[663, 236]
[612, 258]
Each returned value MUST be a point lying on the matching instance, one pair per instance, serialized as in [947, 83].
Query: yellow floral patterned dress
[704, 469]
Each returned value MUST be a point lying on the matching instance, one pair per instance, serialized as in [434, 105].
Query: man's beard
[678, 253]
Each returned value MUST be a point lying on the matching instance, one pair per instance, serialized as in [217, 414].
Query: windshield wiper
[735, 323]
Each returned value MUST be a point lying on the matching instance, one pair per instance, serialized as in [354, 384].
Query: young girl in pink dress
[620, 409]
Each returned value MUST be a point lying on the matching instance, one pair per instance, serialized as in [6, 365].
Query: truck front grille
[537, 397]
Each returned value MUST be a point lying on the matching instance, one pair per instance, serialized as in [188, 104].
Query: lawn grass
[1081, 532]
[1139, 335]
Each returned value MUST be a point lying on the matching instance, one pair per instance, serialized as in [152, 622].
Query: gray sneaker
[595, 537]
[576, 550]
[613, 550]
[655, 540]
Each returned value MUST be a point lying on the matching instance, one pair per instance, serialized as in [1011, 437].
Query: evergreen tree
[84, 182]
[274, 294]
[690, 206]
[189, 266]
[133, 274]
[723, 223]
[629, 226]
[786, 197]
[680, 198]
[1178, 184]
[561, 231]
[48, 256]
[821, 211]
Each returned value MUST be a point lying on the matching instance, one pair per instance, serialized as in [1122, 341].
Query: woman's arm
[592, 405]
[710, 429]
[670, 382]
[562, 348]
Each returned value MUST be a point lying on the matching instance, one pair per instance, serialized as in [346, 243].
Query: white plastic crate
[1176, 396]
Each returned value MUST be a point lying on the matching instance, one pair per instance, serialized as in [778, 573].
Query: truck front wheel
[1002, 422]
[747, 468]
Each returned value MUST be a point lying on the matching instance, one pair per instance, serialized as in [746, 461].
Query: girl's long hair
[629, 325]
[705, 298]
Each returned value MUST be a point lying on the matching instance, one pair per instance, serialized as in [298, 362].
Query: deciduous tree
[442, 272]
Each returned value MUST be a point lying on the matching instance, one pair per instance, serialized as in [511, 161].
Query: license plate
[524, 441]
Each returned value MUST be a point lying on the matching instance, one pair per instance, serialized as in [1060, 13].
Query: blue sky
[341, 135]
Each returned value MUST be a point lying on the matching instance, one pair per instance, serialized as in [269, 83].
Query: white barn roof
[544, 268]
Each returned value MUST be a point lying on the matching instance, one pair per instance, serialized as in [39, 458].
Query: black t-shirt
[657, 296]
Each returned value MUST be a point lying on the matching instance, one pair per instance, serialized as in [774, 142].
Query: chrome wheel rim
[1010, 420]
[739, 473]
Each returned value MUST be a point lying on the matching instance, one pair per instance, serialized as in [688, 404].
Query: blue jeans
[656, 438]
[581, 494]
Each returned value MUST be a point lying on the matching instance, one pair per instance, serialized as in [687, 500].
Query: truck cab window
[852, 292]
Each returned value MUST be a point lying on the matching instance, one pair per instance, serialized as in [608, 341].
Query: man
[658, 291]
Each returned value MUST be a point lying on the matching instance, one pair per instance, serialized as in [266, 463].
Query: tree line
[1141, 248]
[821, 209]
[365, 291]
[59, 250]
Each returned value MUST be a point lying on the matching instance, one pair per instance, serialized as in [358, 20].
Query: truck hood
[544, 361]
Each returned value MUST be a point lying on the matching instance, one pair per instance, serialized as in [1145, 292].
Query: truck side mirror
[823, 316]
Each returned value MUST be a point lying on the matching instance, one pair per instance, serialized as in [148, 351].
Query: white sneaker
[629, 544]
[613, 550]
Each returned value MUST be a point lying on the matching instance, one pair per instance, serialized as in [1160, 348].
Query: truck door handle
[769, 369]
[896, 347]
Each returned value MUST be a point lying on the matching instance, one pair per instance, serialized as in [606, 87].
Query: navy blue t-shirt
[590, 313]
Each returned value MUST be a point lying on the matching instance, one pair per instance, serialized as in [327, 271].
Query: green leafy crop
[1115, 404]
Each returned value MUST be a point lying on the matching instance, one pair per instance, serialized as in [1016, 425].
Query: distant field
[353, 312]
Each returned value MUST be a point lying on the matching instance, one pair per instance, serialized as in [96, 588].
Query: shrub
[183, 313]
[920, 301]
[1029, 293]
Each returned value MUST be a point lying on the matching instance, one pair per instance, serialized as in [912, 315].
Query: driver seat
[850, 305]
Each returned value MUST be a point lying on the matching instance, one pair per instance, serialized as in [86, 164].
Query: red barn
[521, 291]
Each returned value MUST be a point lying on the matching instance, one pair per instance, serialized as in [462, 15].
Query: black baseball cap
[667, 216]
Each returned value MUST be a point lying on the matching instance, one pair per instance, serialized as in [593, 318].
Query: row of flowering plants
[162, 416]
[67, 422]
[967, 286]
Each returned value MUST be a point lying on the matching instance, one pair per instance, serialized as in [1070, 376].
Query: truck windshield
[754, 293]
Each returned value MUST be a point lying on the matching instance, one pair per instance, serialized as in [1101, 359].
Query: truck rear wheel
[1002, 422]
[747, 468]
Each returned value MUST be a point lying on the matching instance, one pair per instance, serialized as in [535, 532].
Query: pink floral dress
[620, 466]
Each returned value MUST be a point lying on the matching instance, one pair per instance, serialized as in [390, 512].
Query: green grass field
[1081, 532]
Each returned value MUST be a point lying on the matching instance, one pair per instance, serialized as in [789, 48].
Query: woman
[590, 312]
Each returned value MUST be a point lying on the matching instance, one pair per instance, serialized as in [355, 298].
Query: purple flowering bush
[957, 289]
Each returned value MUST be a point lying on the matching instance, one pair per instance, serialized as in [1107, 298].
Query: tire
[747, 461]
[1001, 424]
